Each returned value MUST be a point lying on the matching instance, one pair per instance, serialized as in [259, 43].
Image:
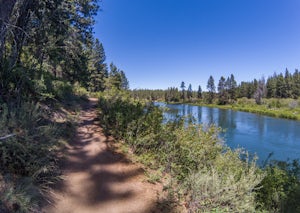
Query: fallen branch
[7, 136]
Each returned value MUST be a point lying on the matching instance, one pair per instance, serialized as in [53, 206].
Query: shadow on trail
[95, 173]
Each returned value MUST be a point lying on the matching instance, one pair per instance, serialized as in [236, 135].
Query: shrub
[280, 189]
[61, 90]
[28, 156]
[293, 104]
[214, 177]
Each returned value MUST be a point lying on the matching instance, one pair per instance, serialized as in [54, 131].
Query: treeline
[45, 41]
[148, 94]
[226, 90]
[48, 54]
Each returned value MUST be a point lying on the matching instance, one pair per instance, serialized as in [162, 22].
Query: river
[261, 135]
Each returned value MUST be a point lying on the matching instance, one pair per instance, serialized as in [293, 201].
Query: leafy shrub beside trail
[207, 175]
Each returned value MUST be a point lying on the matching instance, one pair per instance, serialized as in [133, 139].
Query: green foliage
[227, 186]
[147, 94]
[211, 177]
[154, 176]
[280, 108]
[172, 95]
[232, 87]
[211, 89]
[19, 196]
[55, 38]
[118, 112]
[280, 189]
[194, 155]
[27, 156]
[189, 92]
[116, 79]
[199, 92]
[98, 69]
[61, 90]
[223, 91]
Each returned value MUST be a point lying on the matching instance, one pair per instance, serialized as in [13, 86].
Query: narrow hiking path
[98, 179]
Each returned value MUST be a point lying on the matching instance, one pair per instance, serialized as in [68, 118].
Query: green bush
[28, 156]
[214, 177]
[228, 190]
[280, 189]
[61, 90]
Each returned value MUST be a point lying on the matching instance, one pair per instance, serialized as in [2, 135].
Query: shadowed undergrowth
[30, 156]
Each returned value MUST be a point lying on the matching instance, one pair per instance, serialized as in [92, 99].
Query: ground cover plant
[33, 135]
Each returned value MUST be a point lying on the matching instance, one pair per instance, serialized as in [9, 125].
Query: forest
[50, 62]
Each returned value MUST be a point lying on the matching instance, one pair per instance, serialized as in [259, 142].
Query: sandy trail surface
[99, 179]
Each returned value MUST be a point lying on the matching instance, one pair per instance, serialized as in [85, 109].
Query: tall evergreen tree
[98, 68]
[211, 89]
[288, 84]
[199, 92]
[124, 81]
[271, 86]
[280, 85]
[244, 90]
[116, 79]
[296, 84]
[223, 91]
[190, 92]
[232, 86]
[182, 86]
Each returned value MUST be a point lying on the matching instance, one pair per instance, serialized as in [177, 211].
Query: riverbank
[278, 108]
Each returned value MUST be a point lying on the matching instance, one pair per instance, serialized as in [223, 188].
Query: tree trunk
[19, 30]
[6, 8]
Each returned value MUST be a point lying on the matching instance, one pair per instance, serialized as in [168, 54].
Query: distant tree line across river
[227, 90]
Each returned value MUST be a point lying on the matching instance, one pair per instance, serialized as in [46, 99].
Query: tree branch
[7, 136]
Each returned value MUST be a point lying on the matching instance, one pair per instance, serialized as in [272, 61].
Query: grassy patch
[30, 158]
[279, 108]
[154, 176]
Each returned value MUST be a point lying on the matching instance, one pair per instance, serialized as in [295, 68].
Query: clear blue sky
[159, 43]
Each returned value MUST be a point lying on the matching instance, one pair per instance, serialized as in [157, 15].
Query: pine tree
[189, 92]
[44, 38]
[199, 92]
[296, 84]
[280, 85]
[232, 87]
[98, 68]
[288, 84]
[223, 91]
[114, 78]
[182, 86]
[124, 81]
[271, 86]
[211, 89]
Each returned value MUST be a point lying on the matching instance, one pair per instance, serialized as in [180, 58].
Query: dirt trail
[98, 179]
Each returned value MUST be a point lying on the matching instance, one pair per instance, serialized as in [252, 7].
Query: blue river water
[267, 137]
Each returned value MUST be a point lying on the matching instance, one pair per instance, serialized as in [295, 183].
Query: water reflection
[257, 134]
[199, 114]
